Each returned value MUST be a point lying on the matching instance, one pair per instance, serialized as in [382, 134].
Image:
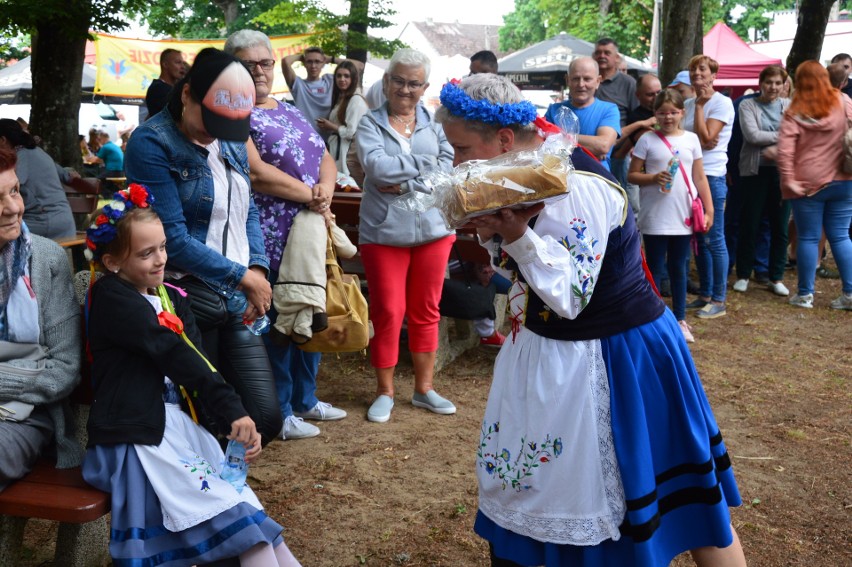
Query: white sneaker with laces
[296, 428]
[322, 412]
[844, 302]
[741, 285]
[778, 288]
[806, 301]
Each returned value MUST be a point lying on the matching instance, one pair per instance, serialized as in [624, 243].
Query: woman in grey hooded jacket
[404, 251]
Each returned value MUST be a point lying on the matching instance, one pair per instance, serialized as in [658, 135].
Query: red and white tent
[739, 64]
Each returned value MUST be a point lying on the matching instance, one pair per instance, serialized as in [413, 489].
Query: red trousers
[404, 281]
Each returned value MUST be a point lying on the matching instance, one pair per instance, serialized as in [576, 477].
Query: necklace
[406, 123]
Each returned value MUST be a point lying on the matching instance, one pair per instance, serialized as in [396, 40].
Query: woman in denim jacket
[193, 159]
[404, 252]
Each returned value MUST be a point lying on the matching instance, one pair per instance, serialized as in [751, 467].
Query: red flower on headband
[102, 219]
[89, 244]
[138, 195]
[455, 81]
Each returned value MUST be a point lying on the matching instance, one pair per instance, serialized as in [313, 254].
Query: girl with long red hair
[810, 159]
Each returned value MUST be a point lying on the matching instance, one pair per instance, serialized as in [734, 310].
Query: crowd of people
[190, 250]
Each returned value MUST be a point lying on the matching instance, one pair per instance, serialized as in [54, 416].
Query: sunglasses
[265, 64]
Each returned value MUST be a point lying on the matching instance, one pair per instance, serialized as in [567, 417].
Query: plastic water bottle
[235, 467]
[674, 165]
[238, 304]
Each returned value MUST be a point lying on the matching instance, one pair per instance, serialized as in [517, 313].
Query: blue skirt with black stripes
[677, 475]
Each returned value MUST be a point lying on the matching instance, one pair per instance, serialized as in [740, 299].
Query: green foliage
[749, 15]
[628, 23]
[329, 30]
[13, 48]
[202, 19]
[24, 16]
[525, 26]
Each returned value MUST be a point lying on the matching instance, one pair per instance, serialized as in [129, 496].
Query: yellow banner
[126, 67]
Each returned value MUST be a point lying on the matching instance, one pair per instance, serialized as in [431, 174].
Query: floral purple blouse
[285, 139]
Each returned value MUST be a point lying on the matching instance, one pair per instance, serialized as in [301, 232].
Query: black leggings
[241, 359]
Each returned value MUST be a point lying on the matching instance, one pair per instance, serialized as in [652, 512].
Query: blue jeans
[829, 210]
[672, 252]
[295, 373]
[712, 258]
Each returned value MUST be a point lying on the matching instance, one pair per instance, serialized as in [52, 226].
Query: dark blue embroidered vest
[622, 297]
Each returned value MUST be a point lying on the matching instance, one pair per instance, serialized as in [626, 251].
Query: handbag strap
[462, 264]
[228, 215]
[680, 165]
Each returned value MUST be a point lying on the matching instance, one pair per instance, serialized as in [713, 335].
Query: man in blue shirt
[600, 122]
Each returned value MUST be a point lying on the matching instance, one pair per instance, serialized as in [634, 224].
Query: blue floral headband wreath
[460, 104]
[104, 229]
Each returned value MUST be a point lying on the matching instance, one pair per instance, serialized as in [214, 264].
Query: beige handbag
[349, 328]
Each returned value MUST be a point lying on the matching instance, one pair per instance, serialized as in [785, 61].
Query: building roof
[450, 39]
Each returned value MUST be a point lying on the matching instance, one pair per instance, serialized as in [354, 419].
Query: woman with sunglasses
[290, 170]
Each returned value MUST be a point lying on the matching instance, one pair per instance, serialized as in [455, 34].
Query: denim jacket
[385, 163]
[175, 170]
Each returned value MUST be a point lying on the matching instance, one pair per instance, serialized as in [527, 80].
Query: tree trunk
[813, 19]
[230, 9]
[682, 36]
[57, 69]
[356, 38]
[603, 11]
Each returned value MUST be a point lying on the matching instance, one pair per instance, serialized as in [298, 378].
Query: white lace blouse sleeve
[562, 257]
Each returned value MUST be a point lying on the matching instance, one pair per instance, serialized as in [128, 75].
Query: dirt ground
[404, 492]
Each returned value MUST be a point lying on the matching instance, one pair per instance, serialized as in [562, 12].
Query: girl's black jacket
[131, 354]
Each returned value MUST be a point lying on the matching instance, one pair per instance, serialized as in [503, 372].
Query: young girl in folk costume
[666, 196]
[169, 504]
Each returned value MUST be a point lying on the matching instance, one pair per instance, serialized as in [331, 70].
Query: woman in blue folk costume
[598, 446]
[169, 504]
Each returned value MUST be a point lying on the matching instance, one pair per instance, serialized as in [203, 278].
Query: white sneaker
[844, 302]
[687, 331]
[296, 428]
[322, 412]
[741, 285]
[806, 301]
[778, 288]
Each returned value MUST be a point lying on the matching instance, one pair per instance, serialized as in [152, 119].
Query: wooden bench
[75, 245]
[455, 336]
[60, 495]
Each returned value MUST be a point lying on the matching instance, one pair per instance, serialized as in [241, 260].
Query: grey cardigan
[60, 334]
[385, 163]
[754, 139]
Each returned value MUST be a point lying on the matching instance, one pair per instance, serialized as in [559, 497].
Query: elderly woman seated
[48, 213]
[39, 340]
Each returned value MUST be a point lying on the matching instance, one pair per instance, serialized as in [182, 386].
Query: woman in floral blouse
[290, 170]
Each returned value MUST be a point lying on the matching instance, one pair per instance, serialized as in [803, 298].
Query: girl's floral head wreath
[104, 229]
[460, 104]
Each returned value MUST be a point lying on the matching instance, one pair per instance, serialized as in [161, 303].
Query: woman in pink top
[810, 158]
